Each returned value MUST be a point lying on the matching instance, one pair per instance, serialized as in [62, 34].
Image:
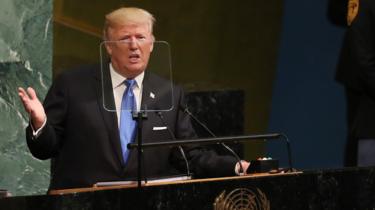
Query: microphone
[174, 138]
[186, 110]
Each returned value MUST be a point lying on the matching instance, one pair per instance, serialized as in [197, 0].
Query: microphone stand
[289, 152]
[234, 139]
[174, 138]
[139, 116]
[186, 110]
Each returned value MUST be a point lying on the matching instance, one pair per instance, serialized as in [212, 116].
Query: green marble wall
[25, 60]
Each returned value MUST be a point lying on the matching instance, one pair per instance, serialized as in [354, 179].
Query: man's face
[132, 48]
[352, 10]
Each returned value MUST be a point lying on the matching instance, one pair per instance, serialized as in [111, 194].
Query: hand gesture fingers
[33, 106]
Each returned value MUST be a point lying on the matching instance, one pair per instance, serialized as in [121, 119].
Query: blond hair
[126, 15]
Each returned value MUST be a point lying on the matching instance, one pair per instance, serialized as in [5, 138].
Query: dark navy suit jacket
[82, 136]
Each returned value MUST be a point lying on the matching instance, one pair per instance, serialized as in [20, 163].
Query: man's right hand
[32, 106]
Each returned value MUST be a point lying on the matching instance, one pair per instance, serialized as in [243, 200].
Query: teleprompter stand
[139, 116]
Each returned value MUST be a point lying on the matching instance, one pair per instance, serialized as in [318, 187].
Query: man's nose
[133, 43]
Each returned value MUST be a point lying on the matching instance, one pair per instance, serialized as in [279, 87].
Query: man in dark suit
[356, 71]
[87, 141]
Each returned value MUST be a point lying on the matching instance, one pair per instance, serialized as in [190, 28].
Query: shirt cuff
[36, 133]
[237, 169]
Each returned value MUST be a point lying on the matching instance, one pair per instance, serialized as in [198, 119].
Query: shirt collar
[118, 79]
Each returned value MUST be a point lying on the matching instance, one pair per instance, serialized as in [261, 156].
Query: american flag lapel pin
[152, 95]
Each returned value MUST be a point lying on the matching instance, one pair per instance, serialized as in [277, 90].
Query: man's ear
[107, 44]
[152, 43]
[108, 48]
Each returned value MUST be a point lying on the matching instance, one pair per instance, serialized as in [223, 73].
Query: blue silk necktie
[127, 124]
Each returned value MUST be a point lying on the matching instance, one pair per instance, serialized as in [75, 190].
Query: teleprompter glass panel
[151, 61]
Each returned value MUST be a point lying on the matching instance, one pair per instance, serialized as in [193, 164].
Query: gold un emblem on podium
[242, 199]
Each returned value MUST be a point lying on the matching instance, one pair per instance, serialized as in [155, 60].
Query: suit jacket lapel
[146, 98]
[108, 109]
[156, 94]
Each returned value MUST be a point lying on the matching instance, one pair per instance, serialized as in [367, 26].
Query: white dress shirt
[119, 89]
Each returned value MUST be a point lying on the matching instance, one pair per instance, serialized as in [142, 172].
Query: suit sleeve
[203, 162]
[362, 42]
[47, 144]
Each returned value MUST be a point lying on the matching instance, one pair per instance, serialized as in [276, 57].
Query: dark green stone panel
[25, 60]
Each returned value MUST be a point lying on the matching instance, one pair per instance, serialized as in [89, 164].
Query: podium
[348, 188]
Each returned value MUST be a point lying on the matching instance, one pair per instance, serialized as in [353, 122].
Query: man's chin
[134, 72]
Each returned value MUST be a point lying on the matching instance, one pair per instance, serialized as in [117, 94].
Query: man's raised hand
[32, 106]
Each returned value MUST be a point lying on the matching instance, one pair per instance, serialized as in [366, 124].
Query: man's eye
[125, 39]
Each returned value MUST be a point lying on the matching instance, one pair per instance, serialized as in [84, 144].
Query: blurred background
[282, 54]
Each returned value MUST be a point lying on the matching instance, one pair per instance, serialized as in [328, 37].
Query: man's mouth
[134, 58]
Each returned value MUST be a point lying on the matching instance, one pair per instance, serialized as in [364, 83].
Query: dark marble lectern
[351, 188]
